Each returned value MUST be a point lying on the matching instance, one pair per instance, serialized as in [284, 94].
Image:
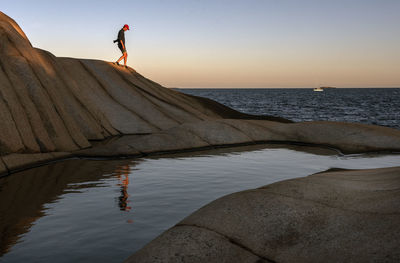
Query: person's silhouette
[121, 44]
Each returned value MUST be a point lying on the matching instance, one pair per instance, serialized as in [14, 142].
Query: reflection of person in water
[123, 176]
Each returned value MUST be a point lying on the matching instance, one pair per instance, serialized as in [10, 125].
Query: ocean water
[379, 106]
[104, 210]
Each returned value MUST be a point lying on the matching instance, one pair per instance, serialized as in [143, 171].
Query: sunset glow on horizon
[227, 44]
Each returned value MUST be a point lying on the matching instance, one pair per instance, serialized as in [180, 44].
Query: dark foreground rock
[335, 216]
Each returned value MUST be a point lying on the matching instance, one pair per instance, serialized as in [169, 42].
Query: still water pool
[104, 210]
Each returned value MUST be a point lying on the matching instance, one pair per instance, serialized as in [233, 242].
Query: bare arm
[123, 46]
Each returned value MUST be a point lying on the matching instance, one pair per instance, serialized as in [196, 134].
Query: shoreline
[43, 159]
[295, 220]
[287, 88]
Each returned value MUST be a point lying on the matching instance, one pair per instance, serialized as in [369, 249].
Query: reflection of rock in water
[123, 176]
[23, 195]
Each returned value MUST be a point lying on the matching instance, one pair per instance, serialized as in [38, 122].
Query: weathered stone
[18, 100]
[183, 108]
[90, 94]
[10, 141]
[51, 107]
[159, 100]
[16, 161]
[146, 117]
[193, 244]
[61, 155]
[112, 148]
[175, 139]
[337, 216]
[256, 132]
[348, 137]
[216, 133]
[51, 104]
[3, 168]
[6, 19]
[72, 102]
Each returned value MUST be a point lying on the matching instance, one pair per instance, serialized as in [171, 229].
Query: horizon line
[371, 87]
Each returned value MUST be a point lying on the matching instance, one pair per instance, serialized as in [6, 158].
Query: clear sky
[227, 43]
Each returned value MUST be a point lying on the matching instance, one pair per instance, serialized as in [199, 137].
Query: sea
[100, 210]
[379, 106]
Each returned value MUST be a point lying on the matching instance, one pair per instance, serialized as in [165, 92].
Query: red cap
[127, 27]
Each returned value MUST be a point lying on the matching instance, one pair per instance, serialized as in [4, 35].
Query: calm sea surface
[104, 210]
[371, 106]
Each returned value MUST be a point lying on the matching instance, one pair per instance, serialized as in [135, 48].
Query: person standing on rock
[121, 44]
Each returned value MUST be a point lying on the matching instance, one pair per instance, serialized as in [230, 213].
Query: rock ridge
[55, 107]
[347, 215]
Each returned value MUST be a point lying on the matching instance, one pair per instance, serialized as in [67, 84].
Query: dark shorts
[121, 48]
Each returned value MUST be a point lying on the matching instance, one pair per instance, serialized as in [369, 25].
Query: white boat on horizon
[318, 89]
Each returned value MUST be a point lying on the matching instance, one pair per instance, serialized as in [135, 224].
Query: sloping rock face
[53, 107]
[335, 216]
[52, 104]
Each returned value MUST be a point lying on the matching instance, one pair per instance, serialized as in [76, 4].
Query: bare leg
[120, 58]
[125, 58]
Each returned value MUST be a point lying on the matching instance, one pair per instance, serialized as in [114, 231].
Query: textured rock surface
[347, 137]
[50, 104]
[58, 104]
[53, 108]
[335, 216]
[16, 161]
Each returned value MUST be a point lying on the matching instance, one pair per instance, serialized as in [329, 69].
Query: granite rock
[337, 216]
